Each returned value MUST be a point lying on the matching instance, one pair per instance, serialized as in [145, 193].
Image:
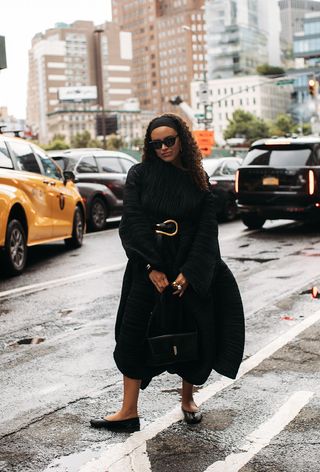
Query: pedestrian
[170, 184]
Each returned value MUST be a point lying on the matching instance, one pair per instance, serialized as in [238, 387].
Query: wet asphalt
[50, 390]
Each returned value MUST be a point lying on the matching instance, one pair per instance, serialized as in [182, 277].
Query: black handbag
[172, 335]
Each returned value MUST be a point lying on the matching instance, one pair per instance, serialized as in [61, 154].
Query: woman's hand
[182, 282]
[159, 280]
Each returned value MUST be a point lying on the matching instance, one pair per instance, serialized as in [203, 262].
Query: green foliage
[57, 143]
[84, 140]
[114, 141]
[137, 143]
[246, 125]
[267, 69]
[283, 125]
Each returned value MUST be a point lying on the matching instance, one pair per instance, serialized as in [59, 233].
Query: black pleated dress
[156, 191]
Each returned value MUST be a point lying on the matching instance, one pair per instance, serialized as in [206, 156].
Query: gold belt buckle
[159, 231]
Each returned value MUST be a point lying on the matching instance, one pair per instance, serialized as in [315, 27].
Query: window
[5, 160]
[87, 164]
[126, 164]
[25, 158]
[60, 162]
[109, 164]
[230, 167]
[50, 169]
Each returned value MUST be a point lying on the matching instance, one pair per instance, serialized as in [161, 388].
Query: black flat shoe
[192, 417]
[128, 426]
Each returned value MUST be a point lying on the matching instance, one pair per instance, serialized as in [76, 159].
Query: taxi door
[62, 197]
[32, 183]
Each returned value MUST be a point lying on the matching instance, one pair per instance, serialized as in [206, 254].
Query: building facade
[255, 94]
[306, 51]
[239, 36]
[168, 48]
[74, 57]
[292, 14]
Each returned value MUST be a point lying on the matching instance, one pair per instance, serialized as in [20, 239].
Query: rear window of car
[5, 160]
[282, 156]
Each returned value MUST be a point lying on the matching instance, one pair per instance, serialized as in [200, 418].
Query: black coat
[156, 191]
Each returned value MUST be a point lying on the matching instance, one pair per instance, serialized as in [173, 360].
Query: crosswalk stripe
[263, 435]
[116, 453]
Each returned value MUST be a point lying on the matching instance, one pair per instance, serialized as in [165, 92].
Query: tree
[57, 143]
[114, 141]
[282, 125]
[244, 124]
[137, 143]
[267, 69]
[84, 140]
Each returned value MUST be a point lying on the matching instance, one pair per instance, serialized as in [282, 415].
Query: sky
[20, 20]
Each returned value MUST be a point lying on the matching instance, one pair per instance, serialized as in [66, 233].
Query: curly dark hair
[190, 152]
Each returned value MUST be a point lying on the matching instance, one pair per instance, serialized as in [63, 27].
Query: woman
[170, 183]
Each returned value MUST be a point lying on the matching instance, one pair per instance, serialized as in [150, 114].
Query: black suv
[280, 178]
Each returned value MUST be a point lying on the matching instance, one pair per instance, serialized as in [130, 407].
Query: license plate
[270, 181]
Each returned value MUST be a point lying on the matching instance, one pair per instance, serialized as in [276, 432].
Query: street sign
[285, 82]
[199, 115]
[205, 141]
[3, 59]
[205, 120]
[203, 93]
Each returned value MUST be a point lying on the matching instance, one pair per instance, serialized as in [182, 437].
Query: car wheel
[15, 250]
[230, 210]
[253, 221]
[77, 230]
[98, 215]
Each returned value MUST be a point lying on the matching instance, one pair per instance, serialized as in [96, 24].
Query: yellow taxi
[38, 203]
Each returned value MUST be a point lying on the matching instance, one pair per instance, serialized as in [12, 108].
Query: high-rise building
[168, 48]
[238, 36]
[67, 64]
[292, 14]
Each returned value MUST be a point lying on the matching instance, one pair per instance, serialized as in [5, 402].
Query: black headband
[163, 121]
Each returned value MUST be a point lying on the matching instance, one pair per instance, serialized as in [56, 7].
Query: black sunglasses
[168, 141]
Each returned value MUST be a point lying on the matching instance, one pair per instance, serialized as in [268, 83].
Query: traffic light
[313, 86]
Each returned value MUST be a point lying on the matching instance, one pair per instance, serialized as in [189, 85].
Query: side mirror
[69, 175]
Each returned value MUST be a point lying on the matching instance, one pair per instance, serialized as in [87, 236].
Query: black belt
[167, 228]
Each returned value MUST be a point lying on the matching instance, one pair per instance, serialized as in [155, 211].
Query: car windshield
[280, 156]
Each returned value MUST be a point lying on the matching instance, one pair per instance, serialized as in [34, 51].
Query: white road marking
[116, 453]
[263, 435]
[54, 282]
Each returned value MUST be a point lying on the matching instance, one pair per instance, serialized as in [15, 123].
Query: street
[57, 369]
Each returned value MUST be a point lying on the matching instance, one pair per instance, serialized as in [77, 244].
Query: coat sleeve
[136, 232]
[204, 254]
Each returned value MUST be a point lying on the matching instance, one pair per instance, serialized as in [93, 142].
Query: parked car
[280, 178]
[221, 174]
[38, 203]
[100, 177]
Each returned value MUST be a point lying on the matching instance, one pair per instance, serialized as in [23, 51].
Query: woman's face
[167, 152]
